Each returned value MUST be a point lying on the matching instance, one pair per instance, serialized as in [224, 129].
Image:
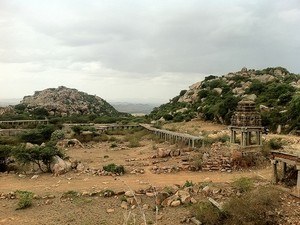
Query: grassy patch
[25, 199]
[256, 207]
[243, 184]
[114, 168]
[206, 213]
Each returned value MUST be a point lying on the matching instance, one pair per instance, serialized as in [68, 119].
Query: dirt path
[46, 183]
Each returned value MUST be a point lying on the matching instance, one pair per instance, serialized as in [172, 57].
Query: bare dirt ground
[50, 208]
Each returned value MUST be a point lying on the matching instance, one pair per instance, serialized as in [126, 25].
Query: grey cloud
[149, 38]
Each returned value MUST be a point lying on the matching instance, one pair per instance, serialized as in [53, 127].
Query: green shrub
[104, 138]
[25, 199]
[168, 117]
[275, 143]
[266, 149]
[39, 135]
[134, 143]
[113, 145]
[243, 184]
[182, 92]
[256, 207]
[57, 135]
[41, 156]
[114, 168]
[206, 213]
[13, 140]
[70, 194]
[188, 184]
[112, 139]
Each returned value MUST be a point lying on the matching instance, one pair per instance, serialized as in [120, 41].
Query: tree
[39, 135]
[40, 156]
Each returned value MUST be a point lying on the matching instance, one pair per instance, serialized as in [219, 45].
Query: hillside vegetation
[62, 103]
[274, 90]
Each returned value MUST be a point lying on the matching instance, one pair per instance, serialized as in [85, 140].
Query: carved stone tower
[247, 121]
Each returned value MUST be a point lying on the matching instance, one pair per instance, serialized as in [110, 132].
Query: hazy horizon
[140, 50]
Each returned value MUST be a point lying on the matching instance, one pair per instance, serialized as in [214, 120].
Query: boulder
[168, 201]
[161, 197]
[251, 97]
[80, 167]
[129, 194]
[124, 205]
[175, 203]
[162, 153]
[264, 108]
[265, 78]
[218, 90]
[184, 196]
[175, 152]
[60, 166]
[66, 143]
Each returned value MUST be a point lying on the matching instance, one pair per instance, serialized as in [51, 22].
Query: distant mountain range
[10, 101]
[134, 108]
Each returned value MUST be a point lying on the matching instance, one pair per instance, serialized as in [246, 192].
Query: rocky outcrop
[6, 110]
[63, 101]
[216, 97]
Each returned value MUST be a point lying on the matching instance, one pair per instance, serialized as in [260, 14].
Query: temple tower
[247, 122]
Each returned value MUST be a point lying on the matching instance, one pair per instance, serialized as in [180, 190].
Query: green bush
[13, 140]
[182, 92]
[25, 199]
[205, 212]
[113, 145]
[134, 143]
[57, 135]
[243, 184]
[188, 184]
[275, 144]
[114, 168]
[39, 135]
[40, 156]
[168, 117]
[104, 138]
[5, 151]
[70, 194]
[256, 207]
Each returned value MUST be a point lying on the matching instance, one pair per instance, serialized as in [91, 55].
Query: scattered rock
[110, 210]
[162, 153]
[34, 176]
[124, 205]
[129, 194]
[175, 203]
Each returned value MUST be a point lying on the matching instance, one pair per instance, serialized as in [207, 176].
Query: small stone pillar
[283, 169]
[275, 174]
[298, 181]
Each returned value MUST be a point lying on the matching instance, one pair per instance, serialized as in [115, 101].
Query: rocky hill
[63, 101]
[274, 90]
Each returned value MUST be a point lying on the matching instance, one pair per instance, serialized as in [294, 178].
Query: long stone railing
[167, 135]
[23, 122]
[188, 139]
[104, 127]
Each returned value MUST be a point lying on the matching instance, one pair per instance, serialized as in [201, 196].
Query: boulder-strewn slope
[275, 91]
[63, 101]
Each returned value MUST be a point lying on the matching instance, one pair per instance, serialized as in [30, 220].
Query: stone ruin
[247, 122]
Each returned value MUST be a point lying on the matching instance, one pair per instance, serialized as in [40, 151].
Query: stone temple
[246, 121]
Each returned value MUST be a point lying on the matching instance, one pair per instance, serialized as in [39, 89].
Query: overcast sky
[140, 50]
